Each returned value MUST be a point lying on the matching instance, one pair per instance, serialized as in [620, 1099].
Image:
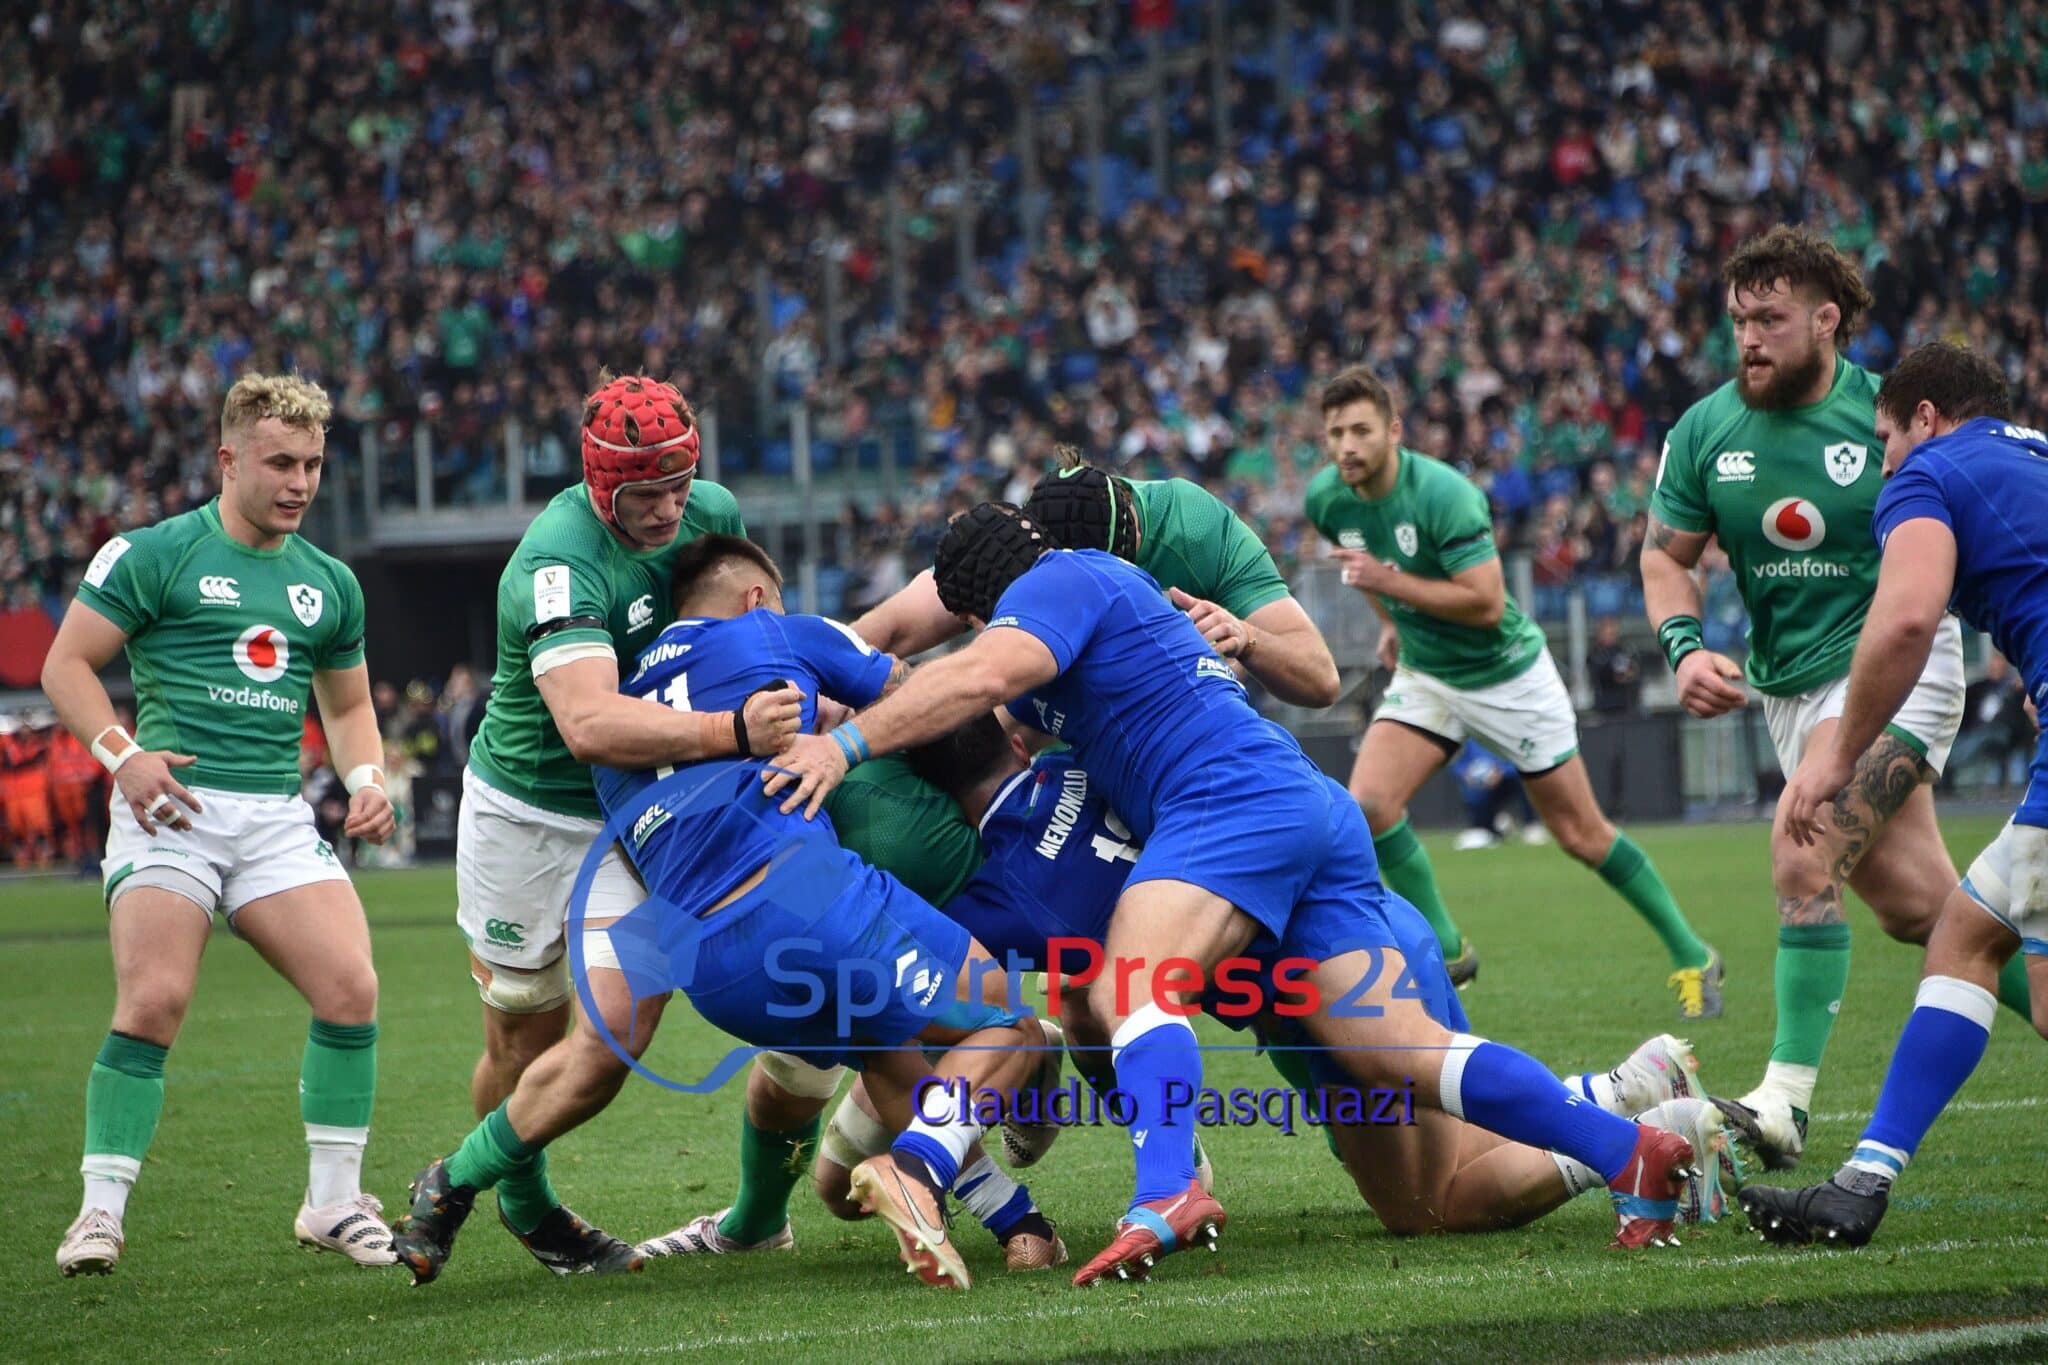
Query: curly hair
[1961, 384]
[1807, 261]
[292, 399]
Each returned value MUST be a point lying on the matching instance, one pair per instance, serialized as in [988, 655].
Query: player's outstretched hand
[772, 716]
[153, 795]
[1226, 634]
[811, 767]
[370, 815]
[1709, 684]
[1820, 778]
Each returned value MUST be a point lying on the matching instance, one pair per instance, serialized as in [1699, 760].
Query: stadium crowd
[454, 212]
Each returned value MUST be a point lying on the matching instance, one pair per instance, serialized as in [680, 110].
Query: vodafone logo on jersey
[263, 653]
[1794, 524]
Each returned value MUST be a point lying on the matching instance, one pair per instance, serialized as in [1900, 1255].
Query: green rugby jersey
[1188, 538]
[223, 641]
[892, 819]
[569, 567]
[1435, 524]
[1789, 494]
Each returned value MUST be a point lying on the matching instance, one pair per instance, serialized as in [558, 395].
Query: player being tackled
[1246, 846]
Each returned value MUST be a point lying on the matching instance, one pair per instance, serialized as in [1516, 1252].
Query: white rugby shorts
[1928, 721]
[1528, 719]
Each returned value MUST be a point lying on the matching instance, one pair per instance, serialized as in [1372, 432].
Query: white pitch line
[1518, 1274]
[1875, 1348]
[1958, 1107]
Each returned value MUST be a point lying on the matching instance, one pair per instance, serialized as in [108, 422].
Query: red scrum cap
[636, 430]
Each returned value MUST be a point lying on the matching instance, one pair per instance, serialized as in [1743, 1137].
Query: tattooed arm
[1913, 587]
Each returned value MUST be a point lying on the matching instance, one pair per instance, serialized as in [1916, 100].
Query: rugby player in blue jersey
[752, 912]
[1057, 858]
[1247, 848]
[1963, 520]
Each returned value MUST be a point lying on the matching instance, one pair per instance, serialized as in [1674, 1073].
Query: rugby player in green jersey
[1212, 566]
[232, 624]
[1780, 464]
[587, 587]
[1417, 538]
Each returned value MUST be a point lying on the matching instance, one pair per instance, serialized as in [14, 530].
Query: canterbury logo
[1735, 466]
[504, 931]
[216, 590]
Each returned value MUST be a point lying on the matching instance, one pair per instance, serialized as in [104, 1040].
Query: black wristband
[739, 717]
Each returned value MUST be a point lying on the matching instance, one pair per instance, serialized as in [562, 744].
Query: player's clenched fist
[1229, 636]
[1363, 571]
[1709, 684]
[769, 719]
[814, 764]
[153, 795]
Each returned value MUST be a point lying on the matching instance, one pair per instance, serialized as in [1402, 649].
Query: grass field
[1304, 1273]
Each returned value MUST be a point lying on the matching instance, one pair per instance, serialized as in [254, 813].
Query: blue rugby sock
[1509, 1092]
[1153, 1051]
[1941, 1045]
[992, 1196]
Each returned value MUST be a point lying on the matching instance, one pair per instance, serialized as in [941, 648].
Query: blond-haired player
[233, 626]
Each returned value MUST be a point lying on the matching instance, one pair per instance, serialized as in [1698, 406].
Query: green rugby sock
[1811, 973]
[494, 1155]
[1404, 866]
[2013, 992]
[338, 1074]
[771, 1164]
[1292, 1064]
[1634, 877]
[124, 1097]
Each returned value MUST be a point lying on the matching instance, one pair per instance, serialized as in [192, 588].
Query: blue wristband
[845, 747]
[858, 742]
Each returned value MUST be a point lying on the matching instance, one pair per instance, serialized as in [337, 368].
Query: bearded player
[1212, 566]
[1417, 538]
[587, 586]
[1960, 521]
[1776, 464]
[231, 623]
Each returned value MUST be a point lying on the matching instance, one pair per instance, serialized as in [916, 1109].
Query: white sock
[1793, 1084]
[984, 1187]
[1578, 1176]
[108, 1179]
[1451, 1084]
[1600, 1089]
[960, 1136]
[334, 1172]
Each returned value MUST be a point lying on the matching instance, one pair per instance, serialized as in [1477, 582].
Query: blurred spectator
[462, 711]
[25, 793]
[418, 731]
[1996, 731]
[1616, 670]
[1496, 804]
